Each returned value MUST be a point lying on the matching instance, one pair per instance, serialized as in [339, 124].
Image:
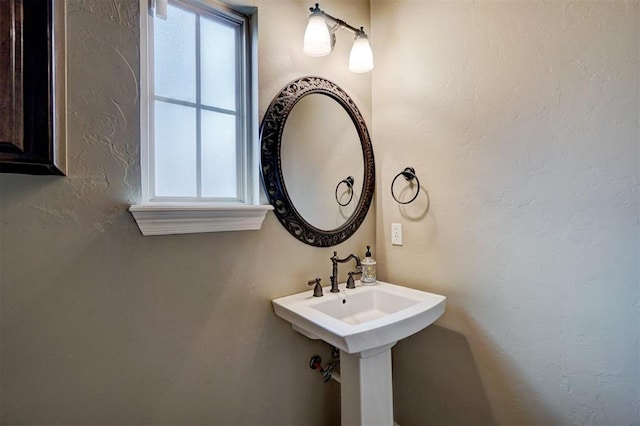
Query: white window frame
[162, 216]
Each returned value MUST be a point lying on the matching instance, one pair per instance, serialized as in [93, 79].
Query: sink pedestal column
[366, 389]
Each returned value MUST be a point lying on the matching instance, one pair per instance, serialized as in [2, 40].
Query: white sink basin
[363, 319]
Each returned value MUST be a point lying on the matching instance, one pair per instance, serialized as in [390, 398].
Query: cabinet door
[28, 142]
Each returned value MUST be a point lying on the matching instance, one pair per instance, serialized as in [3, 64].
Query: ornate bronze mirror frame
[271, 131]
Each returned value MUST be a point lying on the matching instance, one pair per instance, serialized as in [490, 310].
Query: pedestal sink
[364, 323]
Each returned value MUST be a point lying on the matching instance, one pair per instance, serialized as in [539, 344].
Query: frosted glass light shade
[361, 56]
[317, 40]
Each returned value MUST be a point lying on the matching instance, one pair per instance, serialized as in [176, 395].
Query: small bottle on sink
[368, 269]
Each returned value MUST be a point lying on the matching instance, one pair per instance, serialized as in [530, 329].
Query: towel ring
[349, 182]
[409, 174]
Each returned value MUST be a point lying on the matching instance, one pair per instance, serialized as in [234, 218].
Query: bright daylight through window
[199, 119]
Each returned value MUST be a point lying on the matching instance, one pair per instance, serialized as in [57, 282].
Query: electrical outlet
[396, 234]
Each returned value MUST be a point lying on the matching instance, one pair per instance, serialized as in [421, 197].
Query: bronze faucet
[334, 273]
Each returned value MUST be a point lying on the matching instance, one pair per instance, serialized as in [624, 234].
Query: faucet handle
[350, 282]
[317, 290]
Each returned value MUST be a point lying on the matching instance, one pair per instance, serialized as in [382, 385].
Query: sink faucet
[334, 273]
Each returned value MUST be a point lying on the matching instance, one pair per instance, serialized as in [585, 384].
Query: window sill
[186, 218]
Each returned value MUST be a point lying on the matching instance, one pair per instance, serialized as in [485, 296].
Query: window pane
[175, 55]
[219, 174]
[218, 58]
[175, 150]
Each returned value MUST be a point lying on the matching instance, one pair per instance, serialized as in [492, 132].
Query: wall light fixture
[320, 38]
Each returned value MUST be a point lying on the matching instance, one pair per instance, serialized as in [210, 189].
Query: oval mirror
[317, 161]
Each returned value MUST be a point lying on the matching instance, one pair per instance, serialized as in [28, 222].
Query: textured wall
[521, 119]
[101, 325]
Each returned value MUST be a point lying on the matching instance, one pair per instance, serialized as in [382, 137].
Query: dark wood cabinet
[31, 140]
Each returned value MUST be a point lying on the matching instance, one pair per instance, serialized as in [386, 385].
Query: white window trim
[165, 218]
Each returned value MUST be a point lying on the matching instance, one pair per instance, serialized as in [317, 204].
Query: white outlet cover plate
[396, 234]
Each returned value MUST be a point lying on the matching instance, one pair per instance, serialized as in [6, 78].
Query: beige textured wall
[521, 119]
[101, 325]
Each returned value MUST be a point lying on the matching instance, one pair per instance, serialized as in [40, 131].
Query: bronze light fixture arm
[337, 22]
[320, 39]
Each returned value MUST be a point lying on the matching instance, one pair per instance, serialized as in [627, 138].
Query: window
[198, 120]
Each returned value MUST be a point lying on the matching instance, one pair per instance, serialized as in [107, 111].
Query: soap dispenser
[368, 269]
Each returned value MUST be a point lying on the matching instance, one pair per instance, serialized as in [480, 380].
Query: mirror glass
[317, 164]
[317, 158]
